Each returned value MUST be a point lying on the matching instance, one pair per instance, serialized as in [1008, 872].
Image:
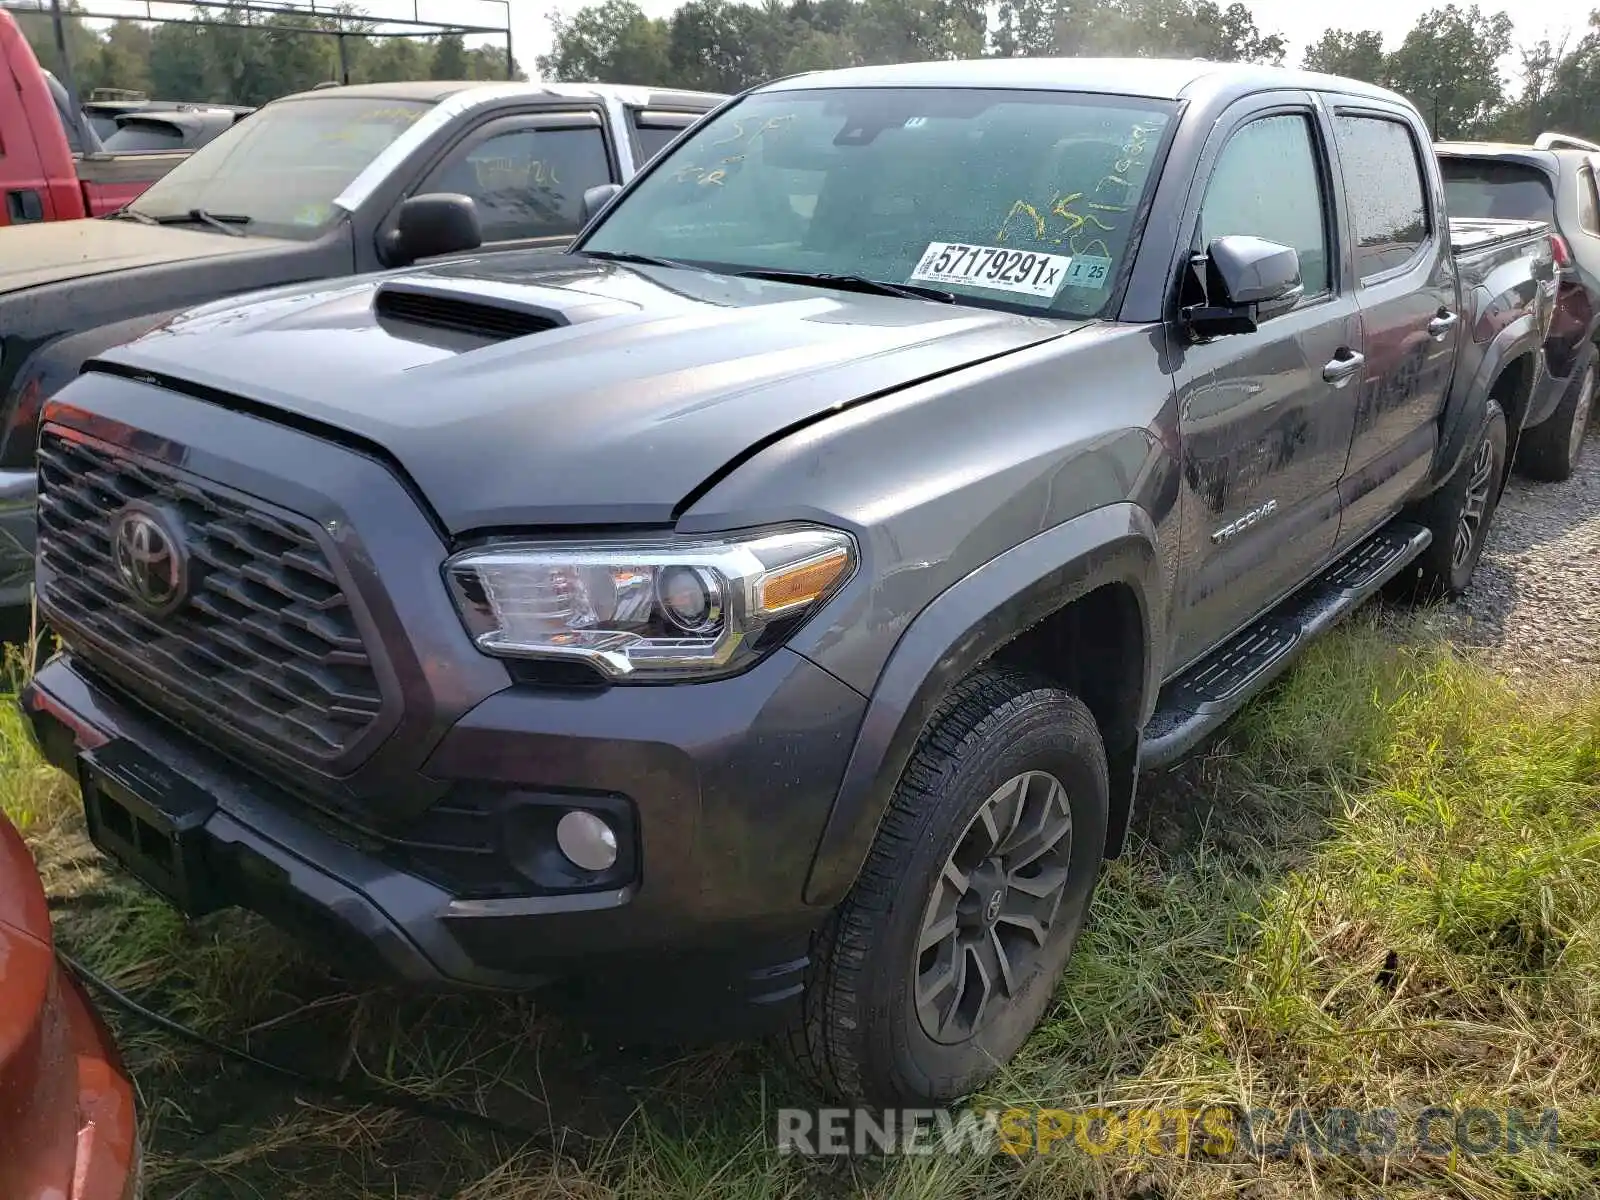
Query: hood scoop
[443, 310]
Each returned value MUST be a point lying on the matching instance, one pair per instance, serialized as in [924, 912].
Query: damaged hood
[539, 389]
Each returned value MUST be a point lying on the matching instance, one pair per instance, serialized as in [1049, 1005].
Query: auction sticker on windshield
[1024, 271]
[1088, 271]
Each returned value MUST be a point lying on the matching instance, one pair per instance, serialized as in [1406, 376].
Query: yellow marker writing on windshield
[508, 172]
[1018, 209]
[716, 176]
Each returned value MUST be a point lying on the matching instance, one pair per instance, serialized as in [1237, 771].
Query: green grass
[1380, 889]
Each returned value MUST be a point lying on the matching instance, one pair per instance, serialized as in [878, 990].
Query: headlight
[648, 608]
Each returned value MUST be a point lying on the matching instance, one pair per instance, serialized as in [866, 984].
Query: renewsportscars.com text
[1218, 1132]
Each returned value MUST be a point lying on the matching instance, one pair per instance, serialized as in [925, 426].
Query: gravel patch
[1534, 604]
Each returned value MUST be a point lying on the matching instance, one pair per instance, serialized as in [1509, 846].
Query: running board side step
[1196, 703]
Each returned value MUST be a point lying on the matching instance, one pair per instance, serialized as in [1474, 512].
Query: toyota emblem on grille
[151, 558]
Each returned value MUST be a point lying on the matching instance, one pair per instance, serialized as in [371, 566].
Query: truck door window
[653, 131]
[1267, 184]
[528, 183]
[72, 130]
[1383, 179]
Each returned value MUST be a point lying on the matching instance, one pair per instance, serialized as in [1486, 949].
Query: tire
[861, 1035]
[1550, 451]
[1459, 515]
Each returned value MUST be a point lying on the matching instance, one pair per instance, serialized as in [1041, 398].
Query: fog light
[587, 841]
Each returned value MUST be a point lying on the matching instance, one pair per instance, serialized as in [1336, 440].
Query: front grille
[266, 646]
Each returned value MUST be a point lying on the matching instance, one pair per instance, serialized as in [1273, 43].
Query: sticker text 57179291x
[1024, 271]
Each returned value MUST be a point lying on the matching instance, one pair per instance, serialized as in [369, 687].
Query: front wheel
[946, 953]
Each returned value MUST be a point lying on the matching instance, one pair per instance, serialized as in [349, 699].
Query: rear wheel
[946, 953]
[1551, 451]
[1459, 514]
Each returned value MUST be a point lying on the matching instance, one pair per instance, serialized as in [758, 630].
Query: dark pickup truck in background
[1553, 180]
[764, 610]
[313, 186]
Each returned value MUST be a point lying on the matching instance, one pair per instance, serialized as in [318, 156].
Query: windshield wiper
[224, 222]
[644, 259]
[853, 283]
[129, 214]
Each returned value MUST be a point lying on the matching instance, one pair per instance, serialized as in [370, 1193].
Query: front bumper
[422, 846]
[729, 792]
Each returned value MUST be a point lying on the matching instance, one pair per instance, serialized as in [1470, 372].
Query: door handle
[1442, 324]
[1343, 367]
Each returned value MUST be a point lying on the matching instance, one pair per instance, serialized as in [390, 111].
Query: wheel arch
[55, 361]
[1513, 389]
[1076, 604]
[1518, 341]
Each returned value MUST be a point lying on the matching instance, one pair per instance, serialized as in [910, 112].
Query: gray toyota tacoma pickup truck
[764, 609]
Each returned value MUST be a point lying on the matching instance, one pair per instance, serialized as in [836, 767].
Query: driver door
[1266, 418]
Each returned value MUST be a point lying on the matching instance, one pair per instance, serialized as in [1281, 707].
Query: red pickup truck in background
[52, 164]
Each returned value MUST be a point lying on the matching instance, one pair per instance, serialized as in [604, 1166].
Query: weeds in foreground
[1380, 890]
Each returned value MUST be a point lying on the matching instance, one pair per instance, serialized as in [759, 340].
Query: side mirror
[596, 199]
[1245, 280]
[433, 225]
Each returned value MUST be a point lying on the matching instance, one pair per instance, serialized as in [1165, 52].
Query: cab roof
[1154, 78]
[432, 91]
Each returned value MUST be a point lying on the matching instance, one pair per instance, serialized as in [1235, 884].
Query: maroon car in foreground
[67, 1127]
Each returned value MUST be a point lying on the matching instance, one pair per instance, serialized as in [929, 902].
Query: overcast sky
[1301, 21]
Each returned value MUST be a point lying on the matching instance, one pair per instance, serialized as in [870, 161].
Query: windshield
[1475, 188]
[284, 166]
[1021, 200]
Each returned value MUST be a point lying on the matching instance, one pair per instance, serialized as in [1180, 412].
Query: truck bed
[1472, 235]
[112, 180]
[1506, 273]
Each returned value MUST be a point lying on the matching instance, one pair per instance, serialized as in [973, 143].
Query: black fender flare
[1469, 398]
[956, 632]
[1545, 404]
[56, 362]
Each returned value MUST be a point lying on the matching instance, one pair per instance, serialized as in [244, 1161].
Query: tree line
[1448, 64]
[191, 60]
